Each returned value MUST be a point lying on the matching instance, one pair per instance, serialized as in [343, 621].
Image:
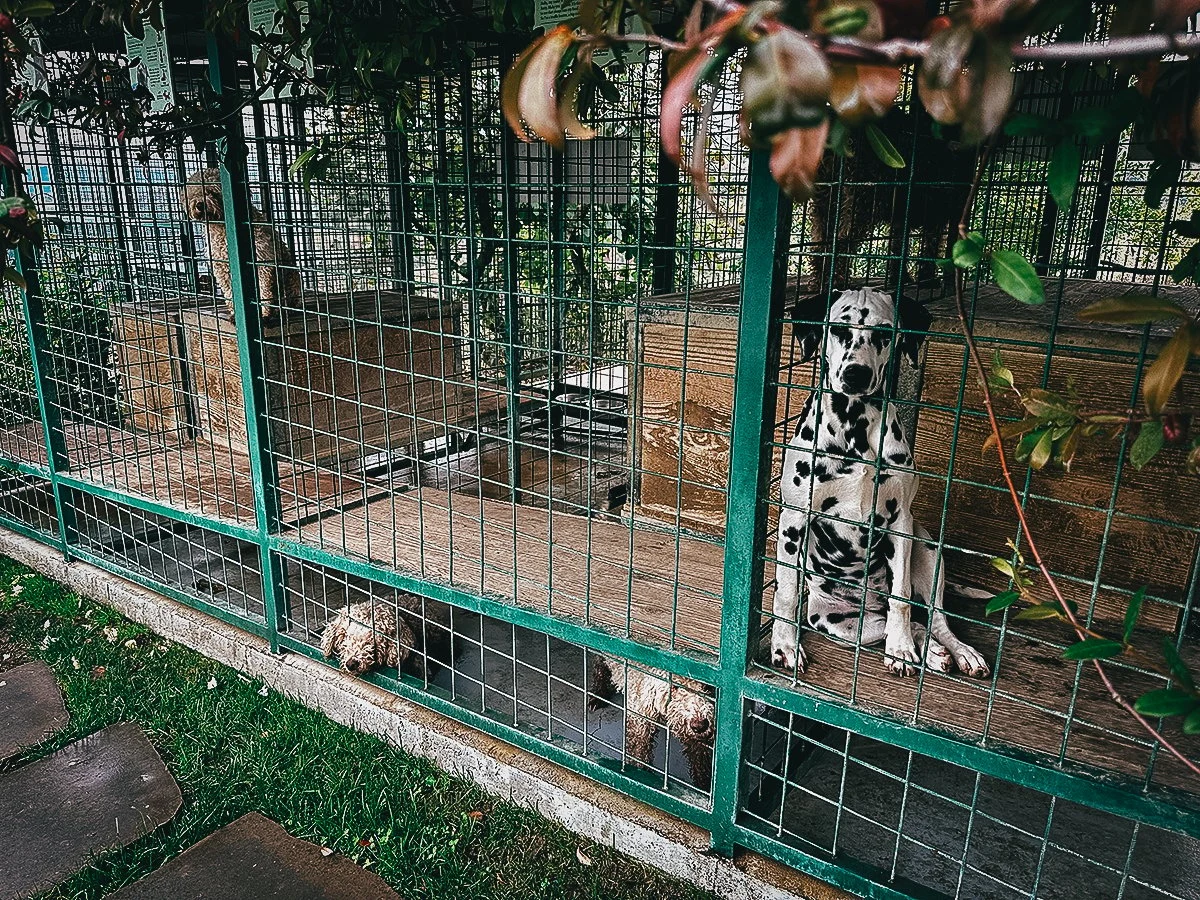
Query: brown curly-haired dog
[389, 632]
[652, 699]
[275, 264]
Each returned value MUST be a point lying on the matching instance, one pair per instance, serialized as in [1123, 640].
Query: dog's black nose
[856, 378]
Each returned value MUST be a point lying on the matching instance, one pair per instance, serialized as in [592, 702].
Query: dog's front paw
[938, 658]
[971, 662]
[902, 658]
[786, 653]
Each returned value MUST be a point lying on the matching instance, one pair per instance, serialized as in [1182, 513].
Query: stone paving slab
[31, 707]
[254, 858]
[99, 793]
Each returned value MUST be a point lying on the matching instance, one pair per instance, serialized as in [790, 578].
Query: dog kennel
[549, 393]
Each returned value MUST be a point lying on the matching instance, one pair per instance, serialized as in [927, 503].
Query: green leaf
[1063, 175]
[1178, 667]
[1039, 612]
[999, 376]
[1094, 648]
[1149, 441]
[1188, 267]
[884, 148]
[1131, 612]
[1025, 447]
[1132, 309]
[1049, 406]
[1024, 124]
[1017, 278]
[1001, 601]
[1163, 174]
[1040, 455]
[1164, 373]
[968, 251]
[1004, 567]
[1191, 725]
[1165, 702]
[843, 20]
[12, 276]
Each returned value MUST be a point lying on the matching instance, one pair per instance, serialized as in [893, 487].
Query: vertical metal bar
[471, 219]
[764, 277]
[557, 309]
[396, 152]
[244, 283]
[512, 295]
[49, 408]
[666, 216]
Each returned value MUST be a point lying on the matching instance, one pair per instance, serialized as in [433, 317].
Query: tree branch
[901, 50]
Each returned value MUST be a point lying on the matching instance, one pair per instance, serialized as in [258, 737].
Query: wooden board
[605, 574]
[214, 480]
[1034, 706]
[1069, 513]
[683, 420]
[599, 572]
[148, 338]
[373, 377]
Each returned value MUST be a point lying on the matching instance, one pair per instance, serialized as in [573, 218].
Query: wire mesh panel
[483, 421]
[931, 827]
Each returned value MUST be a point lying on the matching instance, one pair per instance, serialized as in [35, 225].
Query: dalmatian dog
[846, 524]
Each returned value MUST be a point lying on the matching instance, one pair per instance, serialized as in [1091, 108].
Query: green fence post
[244, 282]
[764, 275]
[49, 408]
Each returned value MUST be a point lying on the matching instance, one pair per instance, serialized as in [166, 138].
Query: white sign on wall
[153, 65]
[548, 13]
[263, 21]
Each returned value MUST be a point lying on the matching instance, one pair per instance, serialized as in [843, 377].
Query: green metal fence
[538, 401]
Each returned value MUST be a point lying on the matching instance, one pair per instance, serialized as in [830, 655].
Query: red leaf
[510, 91]
[9, 157]
[681, 89]
[859, 93]
[568, 101]
[795, 156]
[537, 95]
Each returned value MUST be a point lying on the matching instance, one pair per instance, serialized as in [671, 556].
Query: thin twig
[900, 50]
[633, 38]
[981, 370]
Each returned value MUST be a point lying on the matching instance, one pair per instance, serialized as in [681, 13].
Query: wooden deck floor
[644, 582]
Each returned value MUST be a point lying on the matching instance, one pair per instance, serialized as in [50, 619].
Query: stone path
[31, 707]
[109, 789]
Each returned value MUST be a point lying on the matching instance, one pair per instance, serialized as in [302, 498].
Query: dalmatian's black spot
[802, 468]
[896, 433]
[828, 503]
[892, 506]
[834, 618]
[792, 534]
[840, 404]
[806, 433]
[789, 548]
[899, 458]
[796, 480]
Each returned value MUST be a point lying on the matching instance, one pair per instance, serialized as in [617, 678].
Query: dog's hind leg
[925, 567]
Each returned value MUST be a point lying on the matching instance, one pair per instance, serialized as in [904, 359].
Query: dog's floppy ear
[809, 314]
[335, 633]
[914, 323]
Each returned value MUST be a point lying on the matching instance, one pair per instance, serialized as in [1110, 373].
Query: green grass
[234, 746]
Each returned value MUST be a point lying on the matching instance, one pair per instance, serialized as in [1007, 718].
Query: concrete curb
[584, 807]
